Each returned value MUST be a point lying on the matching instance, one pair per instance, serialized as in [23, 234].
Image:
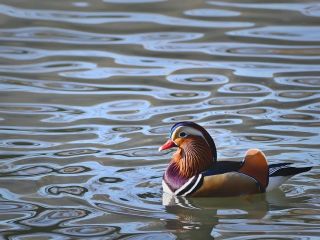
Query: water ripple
[296, 95]
[72, 190]
[146, 153]
[38, 236]
[212, 13]
[244, 88]
[89, 90]
[285, 33]
[22, 143]
[46, 67]
[8, 206]
[70, 36]
[132, 1]
[9, 84]
[302, 81]
[31, 171]
[91, 231]
[198, 79]
[51, 217]
[238, 49]
[76, 152]
[111, 17]
[311, 9]
[73, 170]
[149, 66]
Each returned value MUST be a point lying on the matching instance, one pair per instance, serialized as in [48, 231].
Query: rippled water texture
[89, 90]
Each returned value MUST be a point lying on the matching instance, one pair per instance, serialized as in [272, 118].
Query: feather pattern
[275, 167]
[286, 170]
[172, 177]
[193, 157]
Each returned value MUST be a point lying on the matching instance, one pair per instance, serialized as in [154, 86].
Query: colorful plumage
[195, 171]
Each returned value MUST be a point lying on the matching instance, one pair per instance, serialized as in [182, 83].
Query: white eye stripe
[189, 131]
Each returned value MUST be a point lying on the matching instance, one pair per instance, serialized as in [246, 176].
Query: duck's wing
[286, 169]
[281, 172]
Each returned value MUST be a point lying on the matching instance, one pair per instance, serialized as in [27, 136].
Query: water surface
[90, 89]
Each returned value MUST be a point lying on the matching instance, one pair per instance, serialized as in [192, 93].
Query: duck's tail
[281, 172]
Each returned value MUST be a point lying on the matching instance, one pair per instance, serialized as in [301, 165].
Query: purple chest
[173, 179]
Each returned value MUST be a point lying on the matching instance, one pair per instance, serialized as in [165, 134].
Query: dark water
[90, 89]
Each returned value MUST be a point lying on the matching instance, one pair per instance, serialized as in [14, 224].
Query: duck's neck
[191, 158]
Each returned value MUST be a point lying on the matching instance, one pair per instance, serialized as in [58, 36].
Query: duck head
[196, 150]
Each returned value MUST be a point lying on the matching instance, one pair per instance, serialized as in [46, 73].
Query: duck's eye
[182, 134]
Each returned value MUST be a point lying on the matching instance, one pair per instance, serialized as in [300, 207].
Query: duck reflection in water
[205, 218]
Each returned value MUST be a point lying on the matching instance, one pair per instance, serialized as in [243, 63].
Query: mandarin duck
[194, 169]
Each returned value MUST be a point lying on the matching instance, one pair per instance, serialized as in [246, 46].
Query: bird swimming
[194, 170]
